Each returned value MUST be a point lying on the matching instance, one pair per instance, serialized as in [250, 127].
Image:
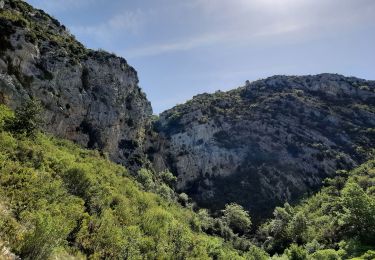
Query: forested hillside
[60, 201]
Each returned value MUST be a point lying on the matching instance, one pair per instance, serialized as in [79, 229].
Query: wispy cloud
[206, 39]
[230, 23]
[124, 22]
[179, 45]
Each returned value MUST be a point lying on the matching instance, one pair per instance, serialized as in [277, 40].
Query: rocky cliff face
[267, 142]
[90, 97]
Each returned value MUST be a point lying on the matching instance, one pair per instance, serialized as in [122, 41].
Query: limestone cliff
[267, 142]
[90, 97]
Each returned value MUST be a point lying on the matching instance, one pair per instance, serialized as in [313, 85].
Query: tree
[144, 177]
[237, 218]
[168, 178]
[183, 198]
[205, 220]
[298, 228]
[359, 212]
[295, 252]
[277, 231]
[27, 119]
[256, 253]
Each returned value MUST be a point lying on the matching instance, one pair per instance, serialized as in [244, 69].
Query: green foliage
[27, 119]
[237, 218]
[256, 253]
[47, 233]
[5, 114]
[168, 178]
[369, 255]
[161, 183]
[183, 198]
[326, 254]
[341, 215]
[295, 252]
[60, 201]
[144, 177]
[358, 218]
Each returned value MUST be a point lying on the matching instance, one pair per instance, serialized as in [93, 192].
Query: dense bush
[27, 119]
[336, 223]
[237, 218]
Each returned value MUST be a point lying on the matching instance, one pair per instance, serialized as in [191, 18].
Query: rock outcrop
[90, 97]
[271, 141]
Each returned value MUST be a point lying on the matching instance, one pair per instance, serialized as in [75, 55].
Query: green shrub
[145, 177]
[168, 178]
[48, 232]
[295, 252]
[27, 119]
[326, 254]
[183, 198]
[369, 255]
[237, 218]
[256, 253]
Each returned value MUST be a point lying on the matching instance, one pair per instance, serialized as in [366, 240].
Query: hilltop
[270, 141]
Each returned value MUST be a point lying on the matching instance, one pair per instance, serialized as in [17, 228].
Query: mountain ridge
[90, 97]
[270, 121]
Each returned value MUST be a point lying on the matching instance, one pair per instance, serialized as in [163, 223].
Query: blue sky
[182, 48]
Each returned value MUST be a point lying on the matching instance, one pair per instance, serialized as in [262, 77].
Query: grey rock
[90, 97]
[267, 142]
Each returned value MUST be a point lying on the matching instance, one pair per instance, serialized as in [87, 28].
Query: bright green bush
[326, 254]
[237, 218]
[295, 252]
[369, 255]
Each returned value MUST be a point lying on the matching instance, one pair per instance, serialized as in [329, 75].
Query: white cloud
[231, 23]
[238, 37]
[126, 21]
[245, 22]
[180, 45]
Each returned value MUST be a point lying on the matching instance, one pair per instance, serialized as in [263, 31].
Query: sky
[182, 48]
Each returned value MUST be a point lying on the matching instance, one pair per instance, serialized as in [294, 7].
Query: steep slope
[90, 97]
[270, 141]
[59, 201]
